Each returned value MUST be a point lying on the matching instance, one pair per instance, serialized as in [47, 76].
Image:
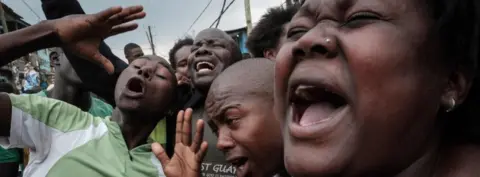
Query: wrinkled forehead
[212, 35]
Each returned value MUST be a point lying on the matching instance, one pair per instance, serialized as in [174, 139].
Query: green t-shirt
[66, 141]
[98, 108]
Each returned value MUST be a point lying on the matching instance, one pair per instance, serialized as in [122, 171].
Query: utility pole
[248, 16]
[2, 17]
[150, 39]
[4, 25]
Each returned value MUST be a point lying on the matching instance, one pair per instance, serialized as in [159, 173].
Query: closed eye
[296, 32]
[360, 19]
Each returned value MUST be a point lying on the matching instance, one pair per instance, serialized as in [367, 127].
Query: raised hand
[82, 34]
[188, 156]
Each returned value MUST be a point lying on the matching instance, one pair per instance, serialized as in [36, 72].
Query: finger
[187, 127]
[201, 153]
[104, 62]
[178, 129]
[108, 13]
[122, 29]
[136, 16]
[197, 140]
[160, 153]
[119, 18]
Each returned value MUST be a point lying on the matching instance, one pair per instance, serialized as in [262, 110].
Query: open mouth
[136, 86]
[240, 164]
[313, 105]
[204, 67]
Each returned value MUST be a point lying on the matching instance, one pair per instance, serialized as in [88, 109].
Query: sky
[169, 19]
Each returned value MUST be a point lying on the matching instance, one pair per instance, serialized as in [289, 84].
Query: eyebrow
[212, 125]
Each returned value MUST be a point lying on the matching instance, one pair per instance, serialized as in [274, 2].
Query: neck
[71, 94]
[135, 127]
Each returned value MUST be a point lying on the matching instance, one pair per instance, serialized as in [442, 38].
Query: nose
[202, 51]
[316, 43]
[147, 71]
[225, 142]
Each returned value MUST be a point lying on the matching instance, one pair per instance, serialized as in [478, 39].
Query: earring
[451, 105]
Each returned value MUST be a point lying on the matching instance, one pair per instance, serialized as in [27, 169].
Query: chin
[128, 106]
[318, 158]
[203, 82]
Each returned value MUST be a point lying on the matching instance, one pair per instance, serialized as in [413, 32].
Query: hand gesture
[188, 157]
[82, 34]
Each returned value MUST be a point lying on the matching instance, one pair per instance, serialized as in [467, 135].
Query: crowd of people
[332, 88]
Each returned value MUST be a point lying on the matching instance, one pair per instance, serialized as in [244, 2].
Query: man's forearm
[18, 43]
[95, 78]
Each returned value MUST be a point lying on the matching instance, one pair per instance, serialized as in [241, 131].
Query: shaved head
[239, 107]
[250, 77]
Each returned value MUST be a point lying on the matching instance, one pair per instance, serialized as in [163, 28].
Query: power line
[38, 16]
[189, 28]
[223, 12]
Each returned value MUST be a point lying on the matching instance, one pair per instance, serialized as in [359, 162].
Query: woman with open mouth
[380, 88]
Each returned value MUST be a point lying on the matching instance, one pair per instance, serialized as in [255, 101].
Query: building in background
[14, 21]
[33, 68]
[240, 36]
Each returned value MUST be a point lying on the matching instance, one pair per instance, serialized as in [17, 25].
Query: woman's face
[358, 87]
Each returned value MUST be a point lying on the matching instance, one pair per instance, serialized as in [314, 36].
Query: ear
[458, 86]
[270, 54]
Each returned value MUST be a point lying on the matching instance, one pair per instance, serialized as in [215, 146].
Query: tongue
[316, 113]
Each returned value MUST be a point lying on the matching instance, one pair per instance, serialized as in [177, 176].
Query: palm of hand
[187, 160]
[183, 162]
[82, 34]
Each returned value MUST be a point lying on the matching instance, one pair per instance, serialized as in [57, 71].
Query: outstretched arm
[94, 78]
[15, 44]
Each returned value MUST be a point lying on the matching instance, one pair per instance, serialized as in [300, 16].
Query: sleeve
[94, 78]
[37, 122]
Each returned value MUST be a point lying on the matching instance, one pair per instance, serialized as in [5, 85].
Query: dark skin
[214, 47]
[272, 53]
[186, 162]
[137, 94]
[240, 112]
[181, 60]
[390, 99]
[80, 34]
[142, 95]
[67, 83]
[133, 54]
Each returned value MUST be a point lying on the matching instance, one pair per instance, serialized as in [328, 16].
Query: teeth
[303, 92]
[206, 63]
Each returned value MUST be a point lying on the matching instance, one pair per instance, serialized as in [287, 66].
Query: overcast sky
[170, 19]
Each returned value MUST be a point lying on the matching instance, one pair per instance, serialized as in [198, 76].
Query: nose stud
[328, 40]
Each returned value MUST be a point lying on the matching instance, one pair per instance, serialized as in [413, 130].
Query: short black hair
[177, 46]
[129, 47]
[266, 34]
